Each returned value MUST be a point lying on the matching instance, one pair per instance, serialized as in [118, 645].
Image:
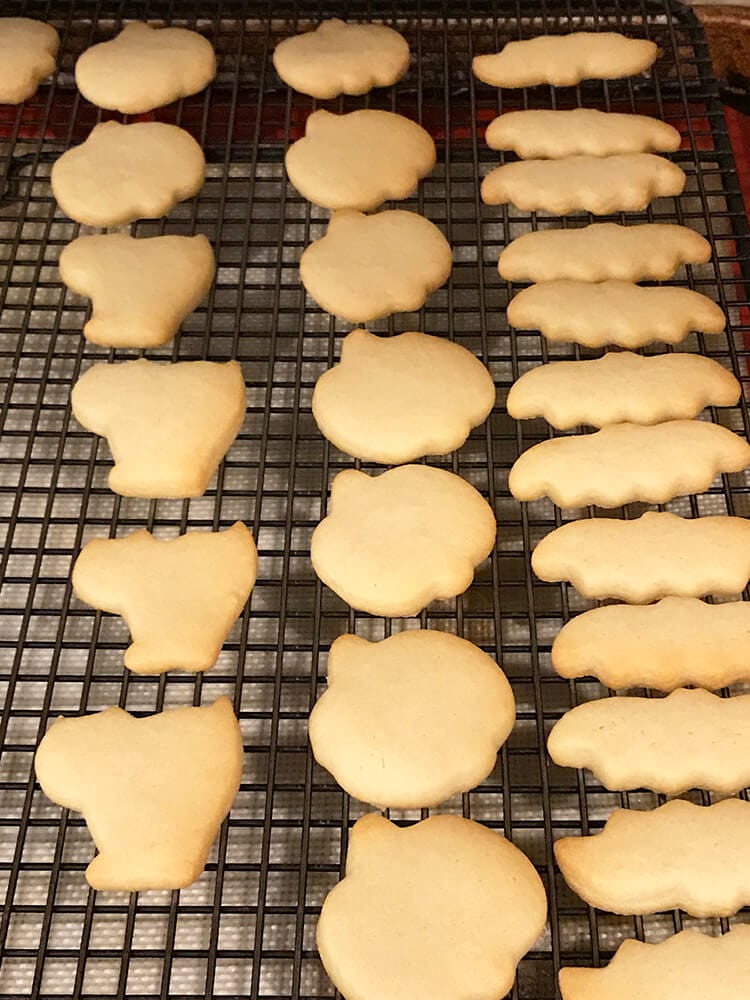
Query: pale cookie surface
[555, 134]
[679, 640]
[690, 739]
[141, 289]
[153, 791]
[440, 910]
[623, 463]
[686, 966]
[652, 556]
[597, 184]
[359, 160]
[127, 172]
[145, 68]
[28, 54]
[168, 425]
[595, 314]
[678, 856]
[392, 543]
[179, 597]
[340, 58]
[603, 250]
[394, 399]
[565, 60]
[410, 721]
[368, 266]
[622, 387]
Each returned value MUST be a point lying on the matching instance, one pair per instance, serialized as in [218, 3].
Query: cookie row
[411, 720]
[679, 855]
[168, 427]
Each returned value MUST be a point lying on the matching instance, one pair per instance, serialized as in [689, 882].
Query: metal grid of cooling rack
[246, 929]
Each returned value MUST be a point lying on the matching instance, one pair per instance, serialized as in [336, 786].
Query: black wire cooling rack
[246, 929]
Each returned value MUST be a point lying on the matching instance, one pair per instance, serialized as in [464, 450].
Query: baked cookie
[603, 250]
[439, 910]
[565, 60]
[140, 289]
[394, 399]
[678, 856]
[690, 739]
[340, 58]
[145, 67]
[686, 966]
[368, 266]
[153, 790]
[359, 160]
[622, 387]
[387, 727]
[392, 543]
[28, 54]
[583, 131]
[677, 641]
[656, 554]
[179, 597]
[601, 185]
[623, 463]
[127, 172]
[596, 314]
[168, 425]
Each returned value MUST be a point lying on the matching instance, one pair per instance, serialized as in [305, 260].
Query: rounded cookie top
[28, 52]
[340, 58]
[369, 266]
[145, 67]
[127, 172]
[359, 160]
[440, 910]
[392, 543]
[387, 727]
[394, 399]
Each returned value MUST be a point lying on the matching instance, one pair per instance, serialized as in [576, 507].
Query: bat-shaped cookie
[678, 856]
[657, 554]
[626, 462]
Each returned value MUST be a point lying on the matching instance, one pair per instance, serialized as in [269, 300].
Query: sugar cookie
[394, 399]
[565, 60]
[686, 966]
[439, 910]
[554, 134]
[127, 172]
[141, 289]
[690, 739]
[613, 312]
[359, 160]
[387, 726]
[623, 463]
[603, 250]
[678, 856]
[622, 387]
[145, 67]
[168, 425]
[392, 543]
[601, 185]
[656, 554]
[179, 597]
[368, 266]
[340, 58]
[28, 54]
[677, 641]
[153, 790]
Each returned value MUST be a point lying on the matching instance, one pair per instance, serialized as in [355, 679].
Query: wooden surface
[728, 31]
